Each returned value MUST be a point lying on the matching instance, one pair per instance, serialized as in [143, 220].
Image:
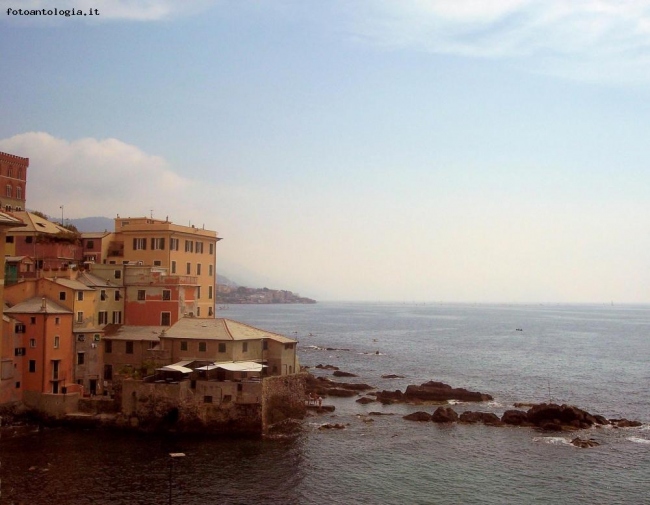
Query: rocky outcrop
[366, 400]
[418, 416]
[326, 367]
[584, 443]
[339, 373]
[624, 423]
[553, 417]
[392, 376]
[480, 417]
[444, 415]
[515, 418]
[431, 392]
[322, 386]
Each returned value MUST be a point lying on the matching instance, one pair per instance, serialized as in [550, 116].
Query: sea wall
[283, 397]
[51, 405]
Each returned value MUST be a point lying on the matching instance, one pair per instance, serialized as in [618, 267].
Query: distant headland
[229, 292]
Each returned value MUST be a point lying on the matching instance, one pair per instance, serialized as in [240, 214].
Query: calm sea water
[594, 357]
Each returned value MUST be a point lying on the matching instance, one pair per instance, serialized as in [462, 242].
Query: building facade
[13, 182]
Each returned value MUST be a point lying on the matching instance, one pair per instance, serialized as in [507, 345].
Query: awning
[241, 366]
[175, 368]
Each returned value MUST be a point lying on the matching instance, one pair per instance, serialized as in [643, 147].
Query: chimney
[43, 305]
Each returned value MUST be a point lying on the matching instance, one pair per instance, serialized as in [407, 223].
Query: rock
[521, 405]
[327, 367]
[339, 373]
[625, 423]
[392, 376]
[339, 392]
[480, 417]
[365, 400]
[555, 417]
[381, 414]
[336, 349]
[439, 391]
[584, 443]
[444, 415]
[329, 426]
[515, 418]
[388, 397]
[418, 416]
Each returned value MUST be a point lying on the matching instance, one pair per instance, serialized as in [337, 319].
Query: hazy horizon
[369, 151]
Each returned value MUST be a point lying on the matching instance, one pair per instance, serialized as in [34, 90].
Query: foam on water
[553, 440]
[638, 440]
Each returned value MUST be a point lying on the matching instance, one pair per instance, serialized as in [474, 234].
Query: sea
[596, 357]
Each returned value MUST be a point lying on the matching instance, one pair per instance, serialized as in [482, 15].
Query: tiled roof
[124, 332]
[35, 305]
[220, 329]
[36, 224]
[72, 284]
[7, 220]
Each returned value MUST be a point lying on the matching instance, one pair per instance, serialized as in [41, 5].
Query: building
[182, 250]
[47, 345]
[52, 247]
[13, 182]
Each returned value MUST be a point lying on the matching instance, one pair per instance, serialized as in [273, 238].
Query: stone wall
[283, 397]
[51, 405]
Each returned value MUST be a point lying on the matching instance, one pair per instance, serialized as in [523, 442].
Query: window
[141, 294]
[19, 193]
[211, 248]
[32, 320]
[19, 328]
[198, 312]
[103, 317]
[198, 292]
[210, 292]
[210, 270]
[165, 319]
[80, 317]
[244, 347]
[10, 239]
[129, 347]
[207, 399]
[108, 346]
[189, 246]
[198, 269]
[56, 341]
[157, 244]
[157, 263]
[19, 351]
[199, 247]
[173, 267]
[183, 345]
[90, 244]
[108, 372]
[210, 311]
[102, 295]
[222, 347]
[188, 269]
[265, 345]
[117, 317]
[202, 346]
[117, 274]
[9, 190]
[10, 172]
[62, 295]
[32, 343]
[20, 174]
[173, 244]
[17, 385]
[139, 244]
[81, 358]
[29, 240]
[288, 346]
[118, 296]
[167, 294]
[32, 365]
[80, 296]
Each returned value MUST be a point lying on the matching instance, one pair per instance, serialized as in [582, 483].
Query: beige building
[181, 250]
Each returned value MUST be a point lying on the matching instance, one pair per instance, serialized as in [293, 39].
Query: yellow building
[181, 250]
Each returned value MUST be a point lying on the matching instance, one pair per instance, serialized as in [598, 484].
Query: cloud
[91, 177]
[583, 39]
[135, 10]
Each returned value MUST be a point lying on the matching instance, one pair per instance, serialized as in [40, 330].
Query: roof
[94, 281]
[124, 332]
[72, 284]
[96, 234]
[220, 329]
[232, 366]
[7, 220]
[35, 305]
[17, 259]
[36, 224]
[175, 368]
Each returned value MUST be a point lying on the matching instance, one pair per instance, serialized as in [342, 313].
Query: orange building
[48, 347]
[13, 182]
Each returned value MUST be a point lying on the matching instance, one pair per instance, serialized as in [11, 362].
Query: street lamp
[174, 456]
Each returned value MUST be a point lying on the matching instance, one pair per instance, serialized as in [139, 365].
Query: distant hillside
[225, 281]
[88, 224]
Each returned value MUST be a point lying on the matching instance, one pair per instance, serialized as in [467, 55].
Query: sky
[411, 151]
